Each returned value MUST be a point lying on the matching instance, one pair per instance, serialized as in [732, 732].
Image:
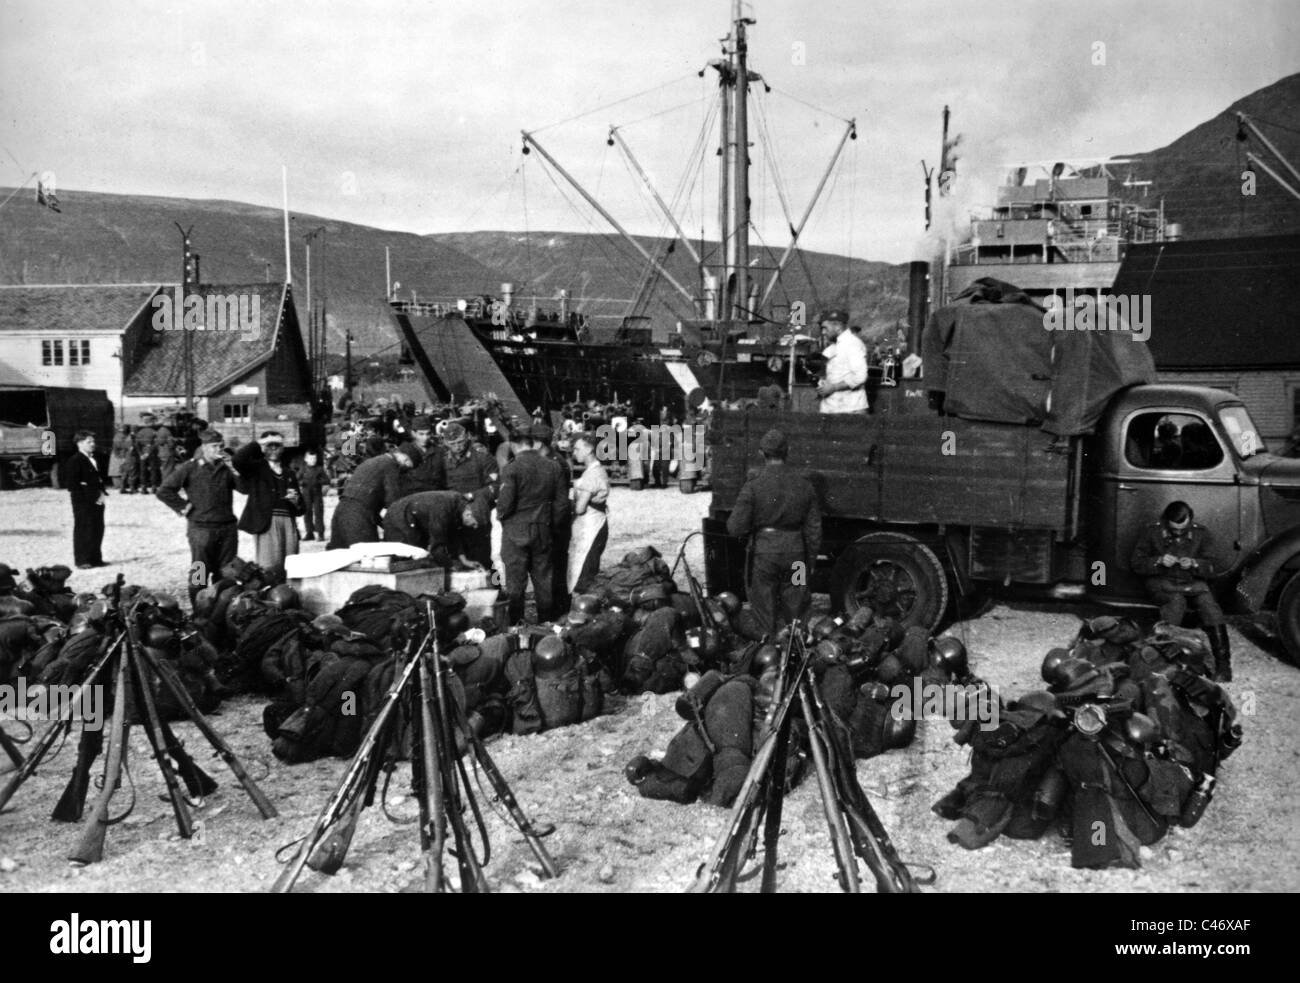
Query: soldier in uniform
[146, 448]
[533, 503]
[436, 521]
[471, 472]
[1174, 555]
[777, 513]
[431, 474]
[209, 483]
[372, 487]
[560, 535]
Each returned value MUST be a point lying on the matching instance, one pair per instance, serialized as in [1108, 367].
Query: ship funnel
[507, 293]
[1173, 231]
[710, 297]
[918, 303]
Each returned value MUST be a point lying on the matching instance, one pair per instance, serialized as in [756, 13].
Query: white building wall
[21, 361]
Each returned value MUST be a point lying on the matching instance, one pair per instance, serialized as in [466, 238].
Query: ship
[738, 339]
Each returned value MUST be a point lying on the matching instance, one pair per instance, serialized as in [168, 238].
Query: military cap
[421, 423]
[541, 432]
[774, 444]
[836, 314]
[453, 432]
[211, 437]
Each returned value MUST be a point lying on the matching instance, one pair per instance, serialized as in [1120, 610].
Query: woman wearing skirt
[590, 515]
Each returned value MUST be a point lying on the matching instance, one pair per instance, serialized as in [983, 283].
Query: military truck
[37, 426]
[921, 508]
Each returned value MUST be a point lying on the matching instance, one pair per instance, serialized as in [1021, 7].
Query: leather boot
[1222, 653]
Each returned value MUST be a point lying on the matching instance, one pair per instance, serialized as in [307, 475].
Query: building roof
[220, 357]
[1219, 303]
[70, 308]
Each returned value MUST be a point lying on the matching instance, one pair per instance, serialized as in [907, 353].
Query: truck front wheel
[1288, 619]
[895, 575]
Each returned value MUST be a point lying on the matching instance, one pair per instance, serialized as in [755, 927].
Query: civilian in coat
[81, 476]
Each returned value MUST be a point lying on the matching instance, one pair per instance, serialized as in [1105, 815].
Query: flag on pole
[47, 198]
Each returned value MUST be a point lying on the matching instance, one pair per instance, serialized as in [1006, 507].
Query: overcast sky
[406, 115]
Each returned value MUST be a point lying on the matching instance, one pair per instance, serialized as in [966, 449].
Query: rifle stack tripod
[855, 829]
[439, 777]
[135, 671]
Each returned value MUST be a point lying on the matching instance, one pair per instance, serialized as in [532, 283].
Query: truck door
[1165, 456]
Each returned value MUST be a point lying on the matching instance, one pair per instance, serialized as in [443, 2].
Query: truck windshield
[1240, 427]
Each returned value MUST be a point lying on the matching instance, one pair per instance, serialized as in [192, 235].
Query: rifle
[168, 676]
[153, 727]
[72, 804]
[90, 849]
[10, 747]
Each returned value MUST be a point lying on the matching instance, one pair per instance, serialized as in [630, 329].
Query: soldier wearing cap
[561, 536]
[274, 500]
[471, 471]
[373, 486]
[532, 505]
[147, 453]
[778, 515]
[431, 473]
[844, 389]
[209, 484]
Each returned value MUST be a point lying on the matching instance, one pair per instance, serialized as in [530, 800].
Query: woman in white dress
[590, 515]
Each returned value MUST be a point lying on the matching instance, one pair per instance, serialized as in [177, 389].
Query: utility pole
[179, 315]
[348, 381]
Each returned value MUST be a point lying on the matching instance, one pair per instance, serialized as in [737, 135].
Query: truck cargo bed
[904, 468]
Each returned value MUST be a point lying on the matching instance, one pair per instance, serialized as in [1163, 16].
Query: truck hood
[1279, 493]
[1269, 469]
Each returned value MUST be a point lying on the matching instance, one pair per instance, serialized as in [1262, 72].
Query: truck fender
[1260, 569]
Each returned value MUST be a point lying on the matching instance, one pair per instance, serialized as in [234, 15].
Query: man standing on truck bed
[1174, 555]
[777, 513]
[844, 390]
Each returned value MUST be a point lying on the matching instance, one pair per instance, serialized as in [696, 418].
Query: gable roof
[1219, 303]
[71, 308]
[219, 356]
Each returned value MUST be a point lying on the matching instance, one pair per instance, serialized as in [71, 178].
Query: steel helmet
[328, 623]
[1141, 730]
[949, 654]
[282, 597]
[767, 657]
[827, 653]
[717, 613]
[1073, 674]
[900, 730]
[1051, 668]
[893, 629]
[166, 602]
[584, 608]
[551, 656]
[730, 603]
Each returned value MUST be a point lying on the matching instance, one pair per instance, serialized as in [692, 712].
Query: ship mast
[733, 208]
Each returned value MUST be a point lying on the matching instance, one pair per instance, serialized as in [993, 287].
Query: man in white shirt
[844, 390]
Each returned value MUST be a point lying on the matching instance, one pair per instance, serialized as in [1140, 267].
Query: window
[79, 351]
[237, 412]
[1241, 428]
[1171, 442]
[51, 352]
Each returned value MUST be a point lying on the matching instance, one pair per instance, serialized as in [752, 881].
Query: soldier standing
[431, 473]
[778, 515]
[1174, 555]
[209, 483]
[471, 472]
[560, 535]
[532, 504]
[147, 451]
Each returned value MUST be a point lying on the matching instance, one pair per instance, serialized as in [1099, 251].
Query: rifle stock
[72, 804]
[10, 748]
[90, 848]
[433, 791]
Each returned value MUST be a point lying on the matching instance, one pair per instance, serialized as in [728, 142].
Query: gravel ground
[607, 838]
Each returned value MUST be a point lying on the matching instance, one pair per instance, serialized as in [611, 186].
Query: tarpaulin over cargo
[992, 356]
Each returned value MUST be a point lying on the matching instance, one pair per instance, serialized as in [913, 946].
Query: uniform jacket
[209, 489]
[80, 476]
[532, 494]
[375, 484]
[427, 519]
[468, 474]
[266, 490]
[1155, 541]
[429, 475]
[783, 500]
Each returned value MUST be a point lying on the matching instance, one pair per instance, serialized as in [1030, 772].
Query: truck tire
[1288, 619]
[896, 575]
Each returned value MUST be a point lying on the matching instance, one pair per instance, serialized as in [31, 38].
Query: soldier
[372, 487]
[531, 506]
[560, 535]
[844, 390]
[165, 446]
[209, 484]
[436, 521]
[471, 472]
[81, 476]
[123, 447]
[431, 474]
[147, 451]
[1174, 555]
[274, 501]
[778, 515]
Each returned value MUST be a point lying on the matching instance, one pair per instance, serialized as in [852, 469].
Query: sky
[407, 115]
